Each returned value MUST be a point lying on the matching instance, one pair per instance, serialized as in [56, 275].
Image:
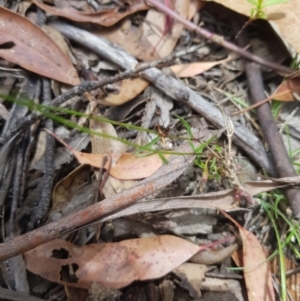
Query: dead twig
[270, 130]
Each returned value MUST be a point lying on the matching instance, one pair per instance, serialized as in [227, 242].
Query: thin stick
[272, 136]
[218, 39]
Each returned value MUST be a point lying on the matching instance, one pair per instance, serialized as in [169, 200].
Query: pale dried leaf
[257, 274]
[192, 69]
[128, 89]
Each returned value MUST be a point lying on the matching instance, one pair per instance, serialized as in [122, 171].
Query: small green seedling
[257, 12]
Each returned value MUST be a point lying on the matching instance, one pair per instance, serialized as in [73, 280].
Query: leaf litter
[33, 50]
[133, 245]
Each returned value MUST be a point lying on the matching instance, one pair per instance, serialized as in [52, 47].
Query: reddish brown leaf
[257, 274]
[33, 49]
[111, 264]
[286, 89]
[106, 18]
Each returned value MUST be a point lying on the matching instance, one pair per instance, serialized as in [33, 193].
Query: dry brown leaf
[288, 24]
[191, 275]
[59, 39]
[214, 256]
[33, 50]
[285, 90]
[112, 264]
[73, 184]
[192, 69]
[105, 18]
[131, 167]
[257, 274]
[128, 166]
[129, 89]
[256, 187]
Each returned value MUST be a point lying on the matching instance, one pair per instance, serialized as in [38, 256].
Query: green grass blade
[272, 2]
[280, 253]
[186, 125]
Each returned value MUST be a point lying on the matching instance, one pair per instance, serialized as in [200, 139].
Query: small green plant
[257, 12]
[211, 168]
